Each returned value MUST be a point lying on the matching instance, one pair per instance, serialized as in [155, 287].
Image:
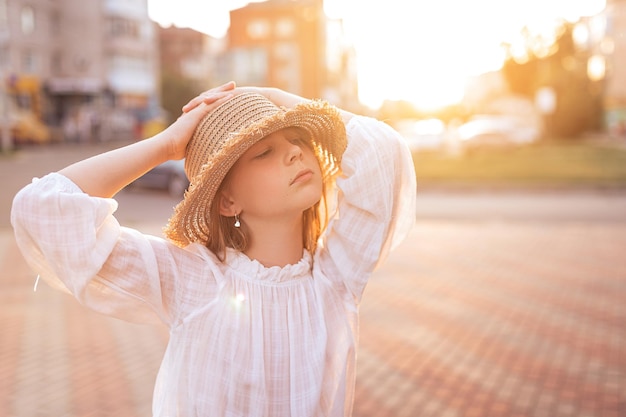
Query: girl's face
[277, 177]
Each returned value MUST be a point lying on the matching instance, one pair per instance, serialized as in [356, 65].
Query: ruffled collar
[253, 270]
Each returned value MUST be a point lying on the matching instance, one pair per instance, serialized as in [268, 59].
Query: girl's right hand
[105, 174]
[179, 133]
[208, 96]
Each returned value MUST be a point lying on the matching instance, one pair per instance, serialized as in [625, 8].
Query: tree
[176, 91]
[561, 66]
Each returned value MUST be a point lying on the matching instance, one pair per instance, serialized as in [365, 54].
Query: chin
[310, 202]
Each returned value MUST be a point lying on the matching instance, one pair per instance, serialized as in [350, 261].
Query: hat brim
[191, 219]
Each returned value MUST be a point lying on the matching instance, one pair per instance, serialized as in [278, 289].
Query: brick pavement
[468, 318]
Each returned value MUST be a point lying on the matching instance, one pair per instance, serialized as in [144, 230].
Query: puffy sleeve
[74, 242]
[375, 204]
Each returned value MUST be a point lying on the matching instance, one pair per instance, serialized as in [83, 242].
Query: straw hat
[228, 132]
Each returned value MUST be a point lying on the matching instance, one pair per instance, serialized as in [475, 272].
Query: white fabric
[245, 340]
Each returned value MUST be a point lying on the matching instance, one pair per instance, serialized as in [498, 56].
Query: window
[27, 20]
[29, 62]
[285, 51]
[258, 29]
[4, 58]
[249, 65]
[129, 63]
[56, 61]
[287, 69]
[119, 27]
[4, 17]
[55, 23]
[285, 28]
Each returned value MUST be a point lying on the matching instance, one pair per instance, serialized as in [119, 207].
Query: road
[508, 303]
[475, 205]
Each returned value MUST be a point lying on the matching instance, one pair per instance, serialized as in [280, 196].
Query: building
[189, 54]
[188, 61]
[602, 37]
[285, 44]
[74, 62]
[612, 45]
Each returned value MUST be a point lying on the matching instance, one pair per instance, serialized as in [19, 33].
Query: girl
[260, 298]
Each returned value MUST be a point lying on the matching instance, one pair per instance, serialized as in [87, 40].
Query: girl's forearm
[105, 174]
[289, 100]
[277, 96]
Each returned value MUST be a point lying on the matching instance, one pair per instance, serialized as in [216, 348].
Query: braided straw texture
[228, 132]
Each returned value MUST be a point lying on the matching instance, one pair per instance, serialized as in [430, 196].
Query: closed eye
[263, 153]
[300, 141]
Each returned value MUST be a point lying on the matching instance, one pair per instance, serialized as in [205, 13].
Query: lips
[301, 176]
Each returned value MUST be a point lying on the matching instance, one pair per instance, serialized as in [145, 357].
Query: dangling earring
[237, 222]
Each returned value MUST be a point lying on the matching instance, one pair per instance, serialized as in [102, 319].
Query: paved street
[498, 304]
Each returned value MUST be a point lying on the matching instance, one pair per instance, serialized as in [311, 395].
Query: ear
[227, 205]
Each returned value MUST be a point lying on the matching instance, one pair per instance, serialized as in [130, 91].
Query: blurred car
[498, 130]
[169, 176]
[422, 134]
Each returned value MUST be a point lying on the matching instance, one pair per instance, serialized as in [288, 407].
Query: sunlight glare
[424, 52]
[420, 51]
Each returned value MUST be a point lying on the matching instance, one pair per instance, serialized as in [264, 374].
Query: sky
[422, 51]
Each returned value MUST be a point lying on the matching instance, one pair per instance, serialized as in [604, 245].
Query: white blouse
[245, 340]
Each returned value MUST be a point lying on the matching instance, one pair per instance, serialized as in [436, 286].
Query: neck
[276, 243]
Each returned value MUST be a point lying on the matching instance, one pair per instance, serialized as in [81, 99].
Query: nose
[294, 153]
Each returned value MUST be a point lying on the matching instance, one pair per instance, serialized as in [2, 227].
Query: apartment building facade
[291, 45]
[61, 58]
[190, 54]
[612, 45]
[602, 38]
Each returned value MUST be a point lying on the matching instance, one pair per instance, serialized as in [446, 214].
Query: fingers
[210, 101]
[225, 87]
[182, 129]
[209, 96]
